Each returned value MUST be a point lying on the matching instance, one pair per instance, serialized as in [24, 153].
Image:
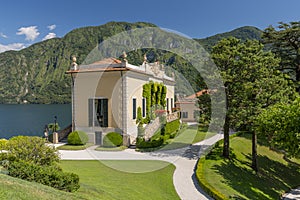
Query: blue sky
[26, 22]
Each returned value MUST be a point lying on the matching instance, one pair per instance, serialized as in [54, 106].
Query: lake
[30, 119]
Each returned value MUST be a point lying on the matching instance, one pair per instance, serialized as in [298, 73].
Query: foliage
[15, 188]
[233, 178]
[47, 175]
[284, 42]
[44, 63]
[209, 189]
[171, 127]
[77, 138]
[112, 139]
[53, 127]
[204, 103]
[30, 149]
[139, 117]
[37, 73]
[141, 143]
[155, 95]
[3, 143]
[246, 67]
[243, 33]
[281, 125]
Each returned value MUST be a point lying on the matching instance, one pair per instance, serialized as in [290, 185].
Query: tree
[251, 83]
[284, 42]
[280, 124]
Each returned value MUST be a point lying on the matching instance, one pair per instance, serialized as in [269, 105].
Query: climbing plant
[155, 95]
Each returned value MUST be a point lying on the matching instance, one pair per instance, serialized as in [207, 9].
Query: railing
[172, 116]
[151, 128]
[62, 134]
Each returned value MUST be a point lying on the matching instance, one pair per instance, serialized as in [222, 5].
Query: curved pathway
[184, 159]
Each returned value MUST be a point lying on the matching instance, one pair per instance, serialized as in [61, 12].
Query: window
[98, 112]
[144, 107]
[184, 114]
[171, 104]
[134, 108]
[167, 104]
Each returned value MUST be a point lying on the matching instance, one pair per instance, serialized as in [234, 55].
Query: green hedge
[172, 126]
[78, 138]
[209, 189]
[141, 143]
[51, 176]
[112, 139]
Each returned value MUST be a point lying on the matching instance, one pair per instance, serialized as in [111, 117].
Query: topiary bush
[112, 139]
[52, 176]
[78, 138]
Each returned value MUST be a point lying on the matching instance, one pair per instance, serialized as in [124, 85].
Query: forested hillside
[37, 74]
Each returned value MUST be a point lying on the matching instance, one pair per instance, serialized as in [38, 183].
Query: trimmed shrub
[78, 138]
[209, 189]
[30, 149]
[141, 130]
[112, 139]
[141, 143]
[51, 176]
[171, 127]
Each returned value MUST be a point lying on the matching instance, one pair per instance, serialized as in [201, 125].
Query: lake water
[30, 119]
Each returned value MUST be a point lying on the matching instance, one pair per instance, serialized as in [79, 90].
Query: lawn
[191, 135]
[101, 182]
[120, 148]
[13, 188]
[236, 179]
[74, 147]
[97, 181]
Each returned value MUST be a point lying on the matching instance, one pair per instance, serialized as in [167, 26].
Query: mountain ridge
[36, 74]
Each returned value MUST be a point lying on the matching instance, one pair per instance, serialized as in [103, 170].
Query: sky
[23, 23]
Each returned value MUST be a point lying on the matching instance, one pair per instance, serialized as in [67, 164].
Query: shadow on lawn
[273, 177]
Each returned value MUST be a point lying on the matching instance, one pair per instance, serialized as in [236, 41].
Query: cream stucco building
[107, 93]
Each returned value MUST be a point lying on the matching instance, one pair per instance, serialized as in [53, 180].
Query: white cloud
[49, 36]
[51, 27]
[13, 46]
[31, 32]
[3, 35]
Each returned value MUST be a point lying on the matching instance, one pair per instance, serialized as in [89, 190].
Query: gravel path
[184, 159]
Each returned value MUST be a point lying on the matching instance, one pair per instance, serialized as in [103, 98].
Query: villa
[107, 94]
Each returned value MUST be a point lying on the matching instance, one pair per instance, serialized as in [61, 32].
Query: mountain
[243, 33]
[37, 74]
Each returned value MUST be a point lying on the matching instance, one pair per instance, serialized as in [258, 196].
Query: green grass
[190, 135]
[101, 182]
[74, 147]
[120, 148]
[98, 181]
[235, 178]
[13, 188]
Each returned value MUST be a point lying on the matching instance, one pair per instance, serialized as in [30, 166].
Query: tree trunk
[226, 138]
[254, 152]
